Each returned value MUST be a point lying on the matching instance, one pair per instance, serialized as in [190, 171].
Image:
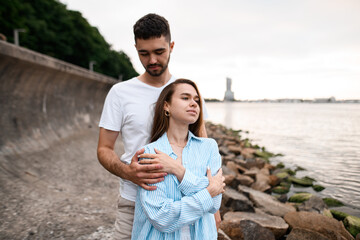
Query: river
[322, 138]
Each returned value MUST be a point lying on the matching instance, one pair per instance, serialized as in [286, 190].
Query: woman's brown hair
[161, 121]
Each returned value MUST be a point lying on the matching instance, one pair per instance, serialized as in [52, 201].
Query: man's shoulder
[125, 84]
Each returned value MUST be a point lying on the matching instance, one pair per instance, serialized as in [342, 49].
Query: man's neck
[158, 81]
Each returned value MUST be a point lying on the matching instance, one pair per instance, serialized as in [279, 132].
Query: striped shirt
[162, 213]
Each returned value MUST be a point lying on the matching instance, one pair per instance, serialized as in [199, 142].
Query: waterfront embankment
[256, 205]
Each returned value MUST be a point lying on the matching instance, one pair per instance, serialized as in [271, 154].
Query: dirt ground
[59, 193]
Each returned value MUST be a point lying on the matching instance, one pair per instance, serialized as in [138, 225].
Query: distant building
[325, 100]
[229, 95]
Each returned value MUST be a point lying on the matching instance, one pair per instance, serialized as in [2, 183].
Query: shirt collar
[165, 144]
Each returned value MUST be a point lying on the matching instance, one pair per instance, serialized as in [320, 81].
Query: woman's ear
[166, 106]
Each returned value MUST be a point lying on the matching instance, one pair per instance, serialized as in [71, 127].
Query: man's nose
[153, 59]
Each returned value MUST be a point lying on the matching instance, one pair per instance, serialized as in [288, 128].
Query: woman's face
[184, 106]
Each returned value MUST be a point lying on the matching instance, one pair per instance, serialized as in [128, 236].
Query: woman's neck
[178, 134]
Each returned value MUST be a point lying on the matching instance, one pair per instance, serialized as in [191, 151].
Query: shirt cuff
[189, 182]
[205, 199]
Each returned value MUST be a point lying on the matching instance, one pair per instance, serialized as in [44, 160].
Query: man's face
[154, 54]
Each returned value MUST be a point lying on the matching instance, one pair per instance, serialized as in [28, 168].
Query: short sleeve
[112, 114]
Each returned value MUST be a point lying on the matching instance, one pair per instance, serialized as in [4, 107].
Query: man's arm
[134, 172]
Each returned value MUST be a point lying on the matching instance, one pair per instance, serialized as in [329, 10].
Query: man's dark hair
[152, 26]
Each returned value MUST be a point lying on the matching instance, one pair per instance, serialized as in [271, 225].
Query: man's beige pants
[124, 219]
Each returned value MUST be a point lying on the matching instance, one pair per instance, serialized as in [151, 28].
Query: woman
[183, 205]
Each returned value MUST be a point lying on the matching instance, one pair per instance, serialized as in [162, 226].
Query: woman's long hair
[161, 122]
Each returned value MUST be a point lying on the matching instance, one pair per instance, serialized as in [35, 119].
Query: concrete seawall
[51, 184]
[43, 100]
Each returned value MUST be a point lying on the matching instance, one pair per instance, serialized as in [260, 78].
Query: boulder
[262, 181]
[314, 204]
[338, 215]
[300, 197]
[229, 179]
[253, 162]
[254, 231]
[235, 167]
[242, 180]
[331, 202]
[235, 149]
[224, 150]
[318, 188]
[232, 226]
[280, 190]
[266, 202]
[252, 172]
[352, 224]
[222, 235]
[274, 180]
[329, 227]
[305, 181]
[248, 153]
[305, 234]
[232, 200]
[228, 158]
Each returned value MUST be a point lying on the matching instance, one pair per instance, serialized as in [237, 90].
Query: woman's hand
[216, 183]
[168, 164]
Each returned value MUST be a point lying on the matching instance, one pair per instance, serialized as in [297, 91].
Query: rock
[230, 142]
[235, 167]
[352, 224]
[300, 197]
[329, 227]
[301, 181]
[228, 171]
[280, 165]
[331, 202]
[305, 234]
[266, 202]
[228, 158]
[229, 179]
[263, 154]
[252, 172]
[280, 190]
[222, 235]
[326, 212]
[318, 188]
[314, 204]
[282, 198]
[234, 201]
[253, 162]
[282, 175]
[338, 215]
[231, 224]
[243, 180]
[235, 149]
[262, 181]
[248, 153]
[224, 150]
[254, 231]
[274, 180]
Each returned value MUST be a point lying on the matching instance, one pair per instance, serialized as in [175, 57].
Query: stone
[254, 231]
[228, 158]
[274, 180]
[352, 224]
[228, 179]
[224, 150]
[300, 197]
[301, 181]
[305, 234]
[331, 202]
[232, 200]
[326, 212]
[235, 149]
[338, 215]
[318, 188]
[252, 172]
[313, 204]
[282, 175]
[235, 167]
[231, 224]
[329, 227]
[266, 202]
[263, 154]
[243, 180]
[248, 153]
[222, 235]
[253, 162]
[280, 190]
[262, 181]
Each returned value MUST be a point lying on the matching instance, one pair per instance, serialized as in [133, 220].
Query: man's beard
[162, 70]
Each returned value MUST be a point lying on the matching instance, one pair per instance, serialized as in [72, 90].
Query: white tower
[229, 95]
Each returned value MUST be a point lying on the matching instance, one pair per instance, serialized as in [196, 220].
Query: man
[128, 109]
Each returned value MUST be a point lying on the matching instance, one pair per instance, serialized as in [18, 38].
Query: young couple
[167, 190]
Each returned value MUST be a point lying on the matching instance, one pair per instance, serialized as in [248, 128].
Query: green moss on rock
[338, 215]
[280, 190]
[282, 175]
[352, 224]
[331, 202]
[301, 181]
[318, 188]
[280, 165]
[300, 197]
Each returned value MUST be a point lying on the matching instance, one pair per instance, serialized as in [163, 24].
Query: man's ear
[172, 46]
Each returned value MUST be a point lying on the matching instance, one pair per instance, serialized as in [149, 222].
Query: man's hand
[168, 164]
[144, 173]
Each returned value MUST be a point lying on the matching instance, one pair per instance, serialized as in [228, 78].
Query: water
[322, 138]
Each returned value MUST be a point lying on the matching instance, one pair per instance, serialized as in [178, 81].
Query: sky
[269, 48]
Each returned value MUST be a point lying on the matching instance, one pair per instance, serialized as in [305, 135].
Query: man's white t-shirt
[129, 109]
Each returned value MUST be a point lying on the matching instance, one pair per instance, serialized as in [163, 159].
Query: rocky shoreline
[256, 204]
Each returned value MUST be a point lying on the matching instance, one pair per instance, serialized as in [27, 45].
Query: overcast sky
[270, 49]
